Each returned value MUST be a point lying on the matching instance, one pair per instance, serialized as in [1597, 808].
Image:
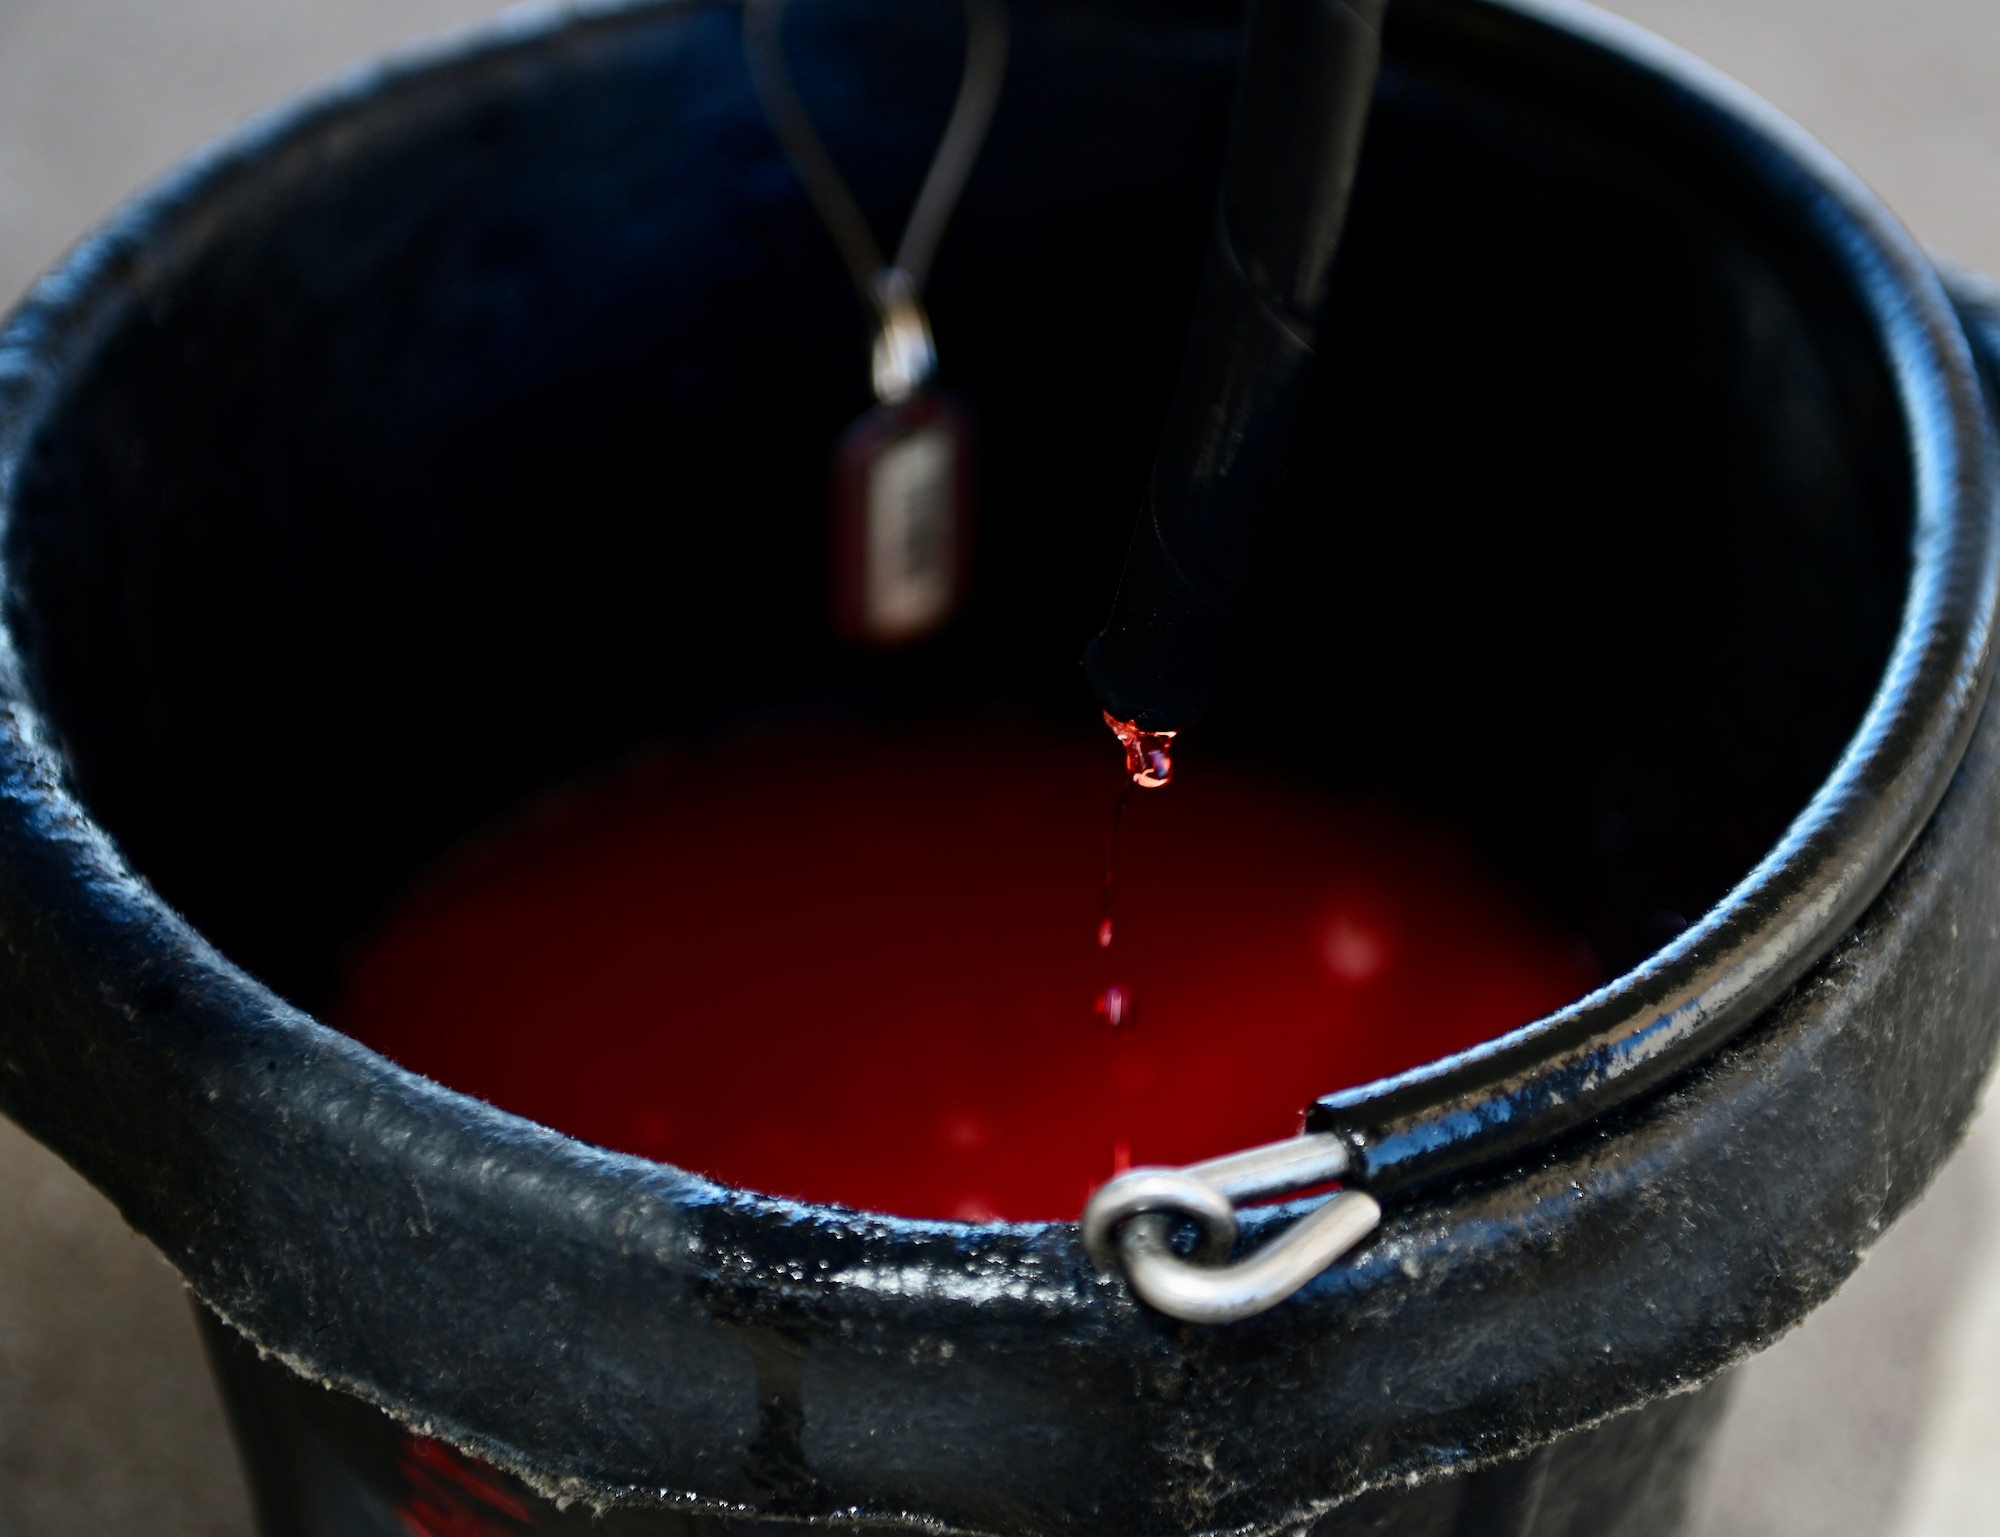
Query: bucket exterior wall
[323, 1465]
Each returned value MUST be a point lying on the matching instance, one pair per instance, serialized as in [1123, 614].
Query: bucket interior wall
[467, 447]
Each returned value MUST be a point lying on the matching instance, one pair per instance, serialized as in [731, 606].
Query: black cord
[978, 94]
[1302, 101]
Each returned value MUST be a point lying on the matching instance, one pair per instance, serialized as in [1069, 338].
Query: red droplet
[1114, 1008]
[1149, 755]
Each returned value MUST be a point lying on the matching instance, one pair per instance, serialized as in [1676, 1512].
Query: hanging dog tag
[902, 510]
[902, 474]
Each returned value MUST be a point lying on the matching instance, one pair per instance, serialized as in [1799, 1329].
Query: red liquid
[870, 974]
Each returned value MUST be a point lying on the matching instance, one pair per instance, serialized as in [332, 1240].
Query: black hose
[1302, 98]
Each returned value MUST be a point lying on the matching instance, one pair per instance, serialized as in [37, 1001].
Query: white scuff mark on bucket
[918, 1281]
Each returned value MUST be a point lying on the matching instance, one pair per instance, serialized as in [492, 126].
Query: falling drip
[1114, 1004]
[1110, 866]
[1148, 764]
[1114, 1008]
[1149, 755]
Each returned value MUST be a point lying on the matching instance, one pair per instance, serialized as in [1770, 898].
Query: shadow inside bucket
[442, 477]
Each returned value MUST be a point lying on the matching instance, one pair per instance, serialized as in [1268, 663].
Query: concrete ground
[1880, 1417]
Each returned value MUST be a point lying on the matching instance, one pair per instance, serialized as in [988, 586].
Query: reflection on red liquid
[878, 983]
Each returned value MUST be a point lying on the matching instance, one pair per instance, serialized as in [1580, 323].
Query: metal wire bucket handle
[1129, 1221]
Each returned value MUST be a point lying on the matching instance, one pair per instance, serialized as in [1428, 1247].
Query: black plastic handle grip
[1302, 99]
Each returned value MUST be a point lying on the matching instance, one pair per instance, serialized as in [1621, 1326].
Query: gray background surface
[1880, 1416]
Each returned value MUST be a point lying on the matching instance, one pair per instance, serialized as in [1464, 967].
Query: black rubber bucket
[466, 426]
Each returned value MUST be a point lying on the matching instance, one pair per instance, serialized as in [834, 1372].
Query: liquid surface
[861, 975]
